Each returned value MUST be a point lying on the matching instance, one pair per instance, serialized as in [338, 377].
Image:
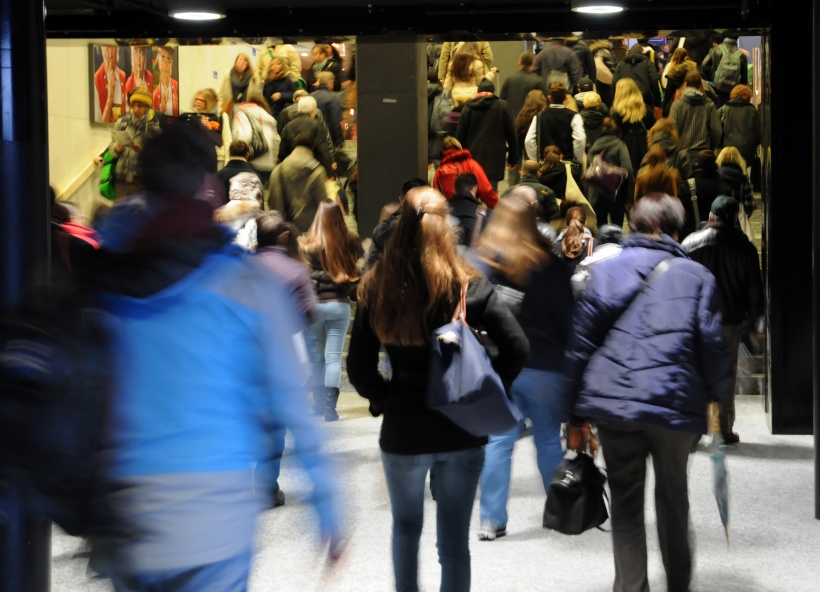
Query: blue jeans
[328, 332]
[454, 479]
[541, 396]
[229, 575]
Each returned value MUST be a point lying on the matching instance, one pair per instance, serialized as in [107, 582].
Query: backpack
[245, 186]
[727, 74]
[442, 105]
[55, 399]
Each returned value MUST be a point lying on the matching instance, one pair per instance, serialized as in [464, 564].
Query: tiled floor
[773, 547]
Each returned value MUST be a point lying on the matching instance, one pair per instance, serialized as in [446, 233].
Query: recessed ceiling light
[191, 15]
[595, 6]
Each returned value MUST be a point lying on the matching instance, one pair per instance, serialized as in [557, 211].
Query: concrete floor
[774, 539]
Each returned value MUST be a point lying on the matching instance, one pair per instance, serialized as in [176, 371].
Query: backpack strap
[693, 192]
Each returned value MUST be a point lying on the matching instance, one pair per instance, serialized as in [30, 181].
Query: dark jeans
[606, 209]
[732, 334]
[625, 446]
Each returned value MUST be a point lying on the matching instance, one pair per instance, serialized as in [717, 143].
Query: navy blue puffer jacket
[657, 360]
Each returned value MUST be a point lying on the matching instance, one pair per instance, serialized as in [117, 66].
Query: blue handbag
[462, 384]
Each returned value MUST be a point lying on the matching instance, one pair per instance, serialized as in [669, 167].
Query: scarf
[240, 86]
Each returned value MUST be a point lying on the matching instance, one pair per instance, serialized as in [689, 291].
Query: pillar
[25, 540]
[391, 80]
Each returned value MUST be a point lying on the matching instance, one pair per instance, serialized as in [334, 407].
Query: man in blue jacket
[646, 356]
[209, 361]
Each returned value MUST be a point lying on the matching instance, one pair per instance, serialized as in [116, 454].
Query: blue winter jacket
[655, 356]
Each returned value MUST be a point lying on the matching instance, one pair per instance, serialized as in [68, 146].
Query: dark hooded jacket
[641, 69]
[741, 127]
[544, 194]
[708, 185]
[697, 120]
[487, 129]
[655, 356]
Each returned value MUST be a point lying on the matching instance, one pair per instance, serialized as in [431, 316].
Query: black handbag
[576, 498]
[604, 176]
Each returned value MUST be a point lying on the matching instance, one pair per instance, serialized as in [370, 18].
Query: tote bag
[605, 177]
[462, 384]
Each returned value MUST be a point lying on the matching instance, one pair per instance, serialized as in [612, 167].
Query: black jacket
[734, 261]
[464, 206]
[545, 195]
[328, 103]
[234, 167]
[741, 127]
[518, 85]
[322, 148]
[486, 128]
[410, 426]
[708, 186]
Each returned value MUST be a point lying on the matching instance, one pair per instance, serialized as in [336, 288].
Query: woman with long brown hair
[520, 261]
[332, 251]
[413, 290]
[466, 70]
[534, 103]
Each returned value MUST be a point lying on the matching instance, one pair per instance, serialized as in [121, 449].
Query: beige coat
[463, 91]
[449, 48]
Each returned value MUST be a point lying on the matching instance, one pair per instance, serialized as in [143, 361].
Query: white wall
[73, 142]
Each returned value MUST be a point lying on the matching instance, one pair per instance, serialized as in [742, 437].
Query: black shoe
[278, 498]
[731, 438]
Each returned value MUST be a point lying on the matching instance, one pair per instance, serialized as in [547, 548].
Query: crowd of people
[622, 312]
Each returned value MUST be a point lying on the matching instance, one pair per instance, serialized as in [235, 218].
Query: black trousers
[625, 446]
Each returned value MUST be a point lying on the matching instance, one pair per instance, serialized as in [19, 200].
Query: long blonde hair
[628, 101]
[511, 243]
[336, 246]
[420, 272]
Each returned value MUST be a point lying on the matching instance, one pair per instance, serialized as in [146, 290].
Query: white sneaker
[489, 531]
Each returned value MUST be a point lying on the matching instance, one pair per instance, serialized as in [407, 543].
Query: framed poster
[165, 66]
[108, 94]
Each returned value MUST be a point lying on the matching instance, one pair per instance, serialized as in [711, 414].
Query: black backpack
[55, 394]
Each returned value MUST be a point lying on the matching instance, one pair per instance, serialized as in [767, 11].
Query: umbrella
[719, 482]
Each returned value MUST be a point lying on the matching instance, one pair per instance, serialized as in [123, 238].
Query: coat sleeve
[579, 138]
[276, 195]
[531, 140]
[715, 128]
[512, 137]
[363, 362]
[490, 313]
[486, 52]
[485, 188]
[444, 61]
[712, 354]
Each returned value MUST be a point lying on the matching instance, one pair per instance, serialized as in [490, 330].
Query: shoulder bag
[576, 498]
[605, 177]
[462, 384]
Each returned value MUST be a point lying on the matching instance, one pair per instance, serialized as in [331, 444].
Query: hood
[299, 164]
[634, 58]
[730, 43]
[482, 101]
[455, 155]
[593, 119]
[682, 69]
[665, 243]
[693, 96]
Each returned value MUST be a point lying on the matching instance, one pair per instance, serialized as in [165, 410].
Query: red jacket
[455, 162]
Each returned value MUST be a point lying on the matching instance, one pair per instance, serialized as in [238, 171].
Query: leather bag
[576, 498]
[606, 178]
[462, 384]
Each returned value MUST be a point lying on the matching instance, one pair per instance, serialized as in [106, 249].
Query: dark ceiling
[435, 18]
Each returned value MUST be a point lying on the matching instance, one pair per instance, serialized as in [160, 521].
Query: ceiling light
[190, 15]
[595, 6]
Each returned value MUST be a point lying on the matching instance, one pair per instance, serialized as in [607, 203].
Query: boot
[331, 397]
[319, 396]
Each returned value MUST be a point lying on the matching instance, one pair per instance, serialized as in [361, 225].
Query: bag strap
[461, 308]
[693, 192]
